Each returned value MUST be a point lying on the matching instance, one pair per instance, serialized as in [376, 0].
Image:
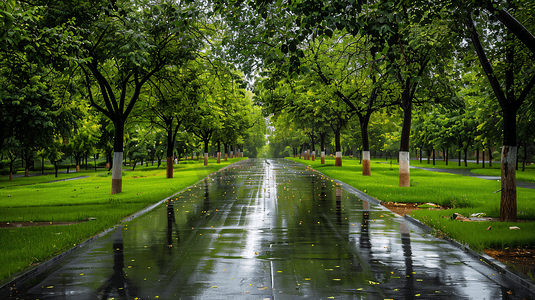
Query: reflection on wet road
[271, 229]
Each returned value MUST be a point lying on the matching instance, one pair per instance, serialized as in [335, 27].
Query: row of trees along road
[318, 61]
[394, 56]
[83, 77]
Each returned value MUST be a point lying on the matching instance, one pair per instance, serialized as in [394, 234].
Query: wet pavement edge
[25, 276]
[490, 261]
[518, 278]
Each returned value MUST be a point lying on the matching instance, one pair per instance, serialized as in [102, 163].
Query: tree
[28, 108]
[10, 149]
[348, 67]
[175, 91]
[122, 46]
[514, 59]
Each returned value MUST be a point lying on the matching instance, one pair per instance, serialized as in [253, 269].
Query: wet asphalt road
[270, 229]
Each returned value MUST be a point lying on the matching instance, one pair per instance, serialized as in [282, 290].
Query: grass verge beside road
[462, 194]
[87, 201]
[528, 175]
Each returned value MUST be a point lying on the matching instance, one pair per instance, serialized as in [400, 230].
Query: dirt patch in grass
[520, 259]
[407, 208]
[31, 224]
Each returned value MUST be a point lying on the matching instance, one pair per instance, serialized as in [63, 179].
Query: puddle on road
[270, 229]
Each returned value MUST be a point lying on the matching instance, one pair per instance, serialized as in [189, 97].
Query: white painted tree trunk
[117, 173]
[338, 160]
[404, 176]
[366, 164]
[205, 159]
[322, 157]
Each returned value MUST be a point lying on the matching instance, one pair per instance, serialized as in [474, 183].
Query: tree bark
[508, 209]
[364, 122]
[218, 152]
[366, 163]
[117, 170]
[459, 156]
[406, 103]
[490, 157]
[404, 175]
[338, 158]
[525, 156]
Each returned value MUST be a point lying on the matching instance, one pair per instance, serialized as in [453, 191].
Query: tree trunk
[446, 155]
[459, 150]
[465, 157]
[117, 170]
[490, 158]
[11, 170]
[508, 210]
[477, 156]
[338, 159]
[218, 152]
[27, 161]
[56, 168]
[404, 175]
[434, 158]
[77, 159]
[483, 160]
[525, 155]
[169, 151]
[322, 157]
[364, 122]
[420, 155]
[206, 142]
[366, 163]
[108, 160]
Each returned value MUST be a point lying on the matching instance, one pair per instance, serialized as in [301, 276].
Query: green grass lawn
[464, 195]
[5, 182]
[528, 175]
[69, 201]
[439, 164]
